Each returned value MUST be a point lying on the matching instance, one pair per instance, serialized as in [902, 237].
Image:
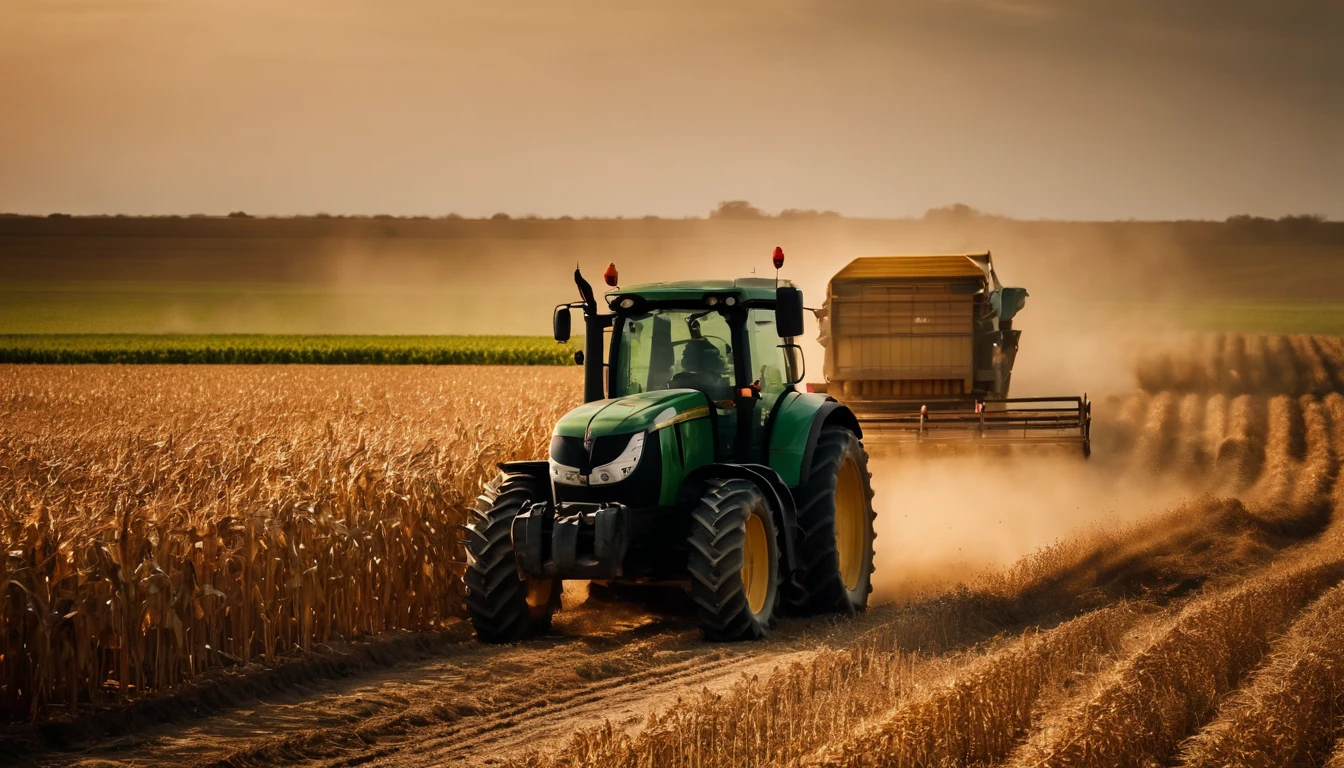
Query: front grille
[570, 451]
[641, 489]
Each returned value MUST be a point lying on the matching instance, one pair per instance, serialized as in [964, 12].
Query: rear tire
[734, 561]
[504, 607]
[835, 519]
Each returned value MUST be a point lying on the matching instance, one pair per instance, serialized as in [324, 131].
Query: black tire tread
[822, 590]
[714, 561]
[496, 596]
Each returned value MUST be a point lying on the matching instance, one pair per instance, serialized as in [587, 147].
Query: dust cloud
[942, 520]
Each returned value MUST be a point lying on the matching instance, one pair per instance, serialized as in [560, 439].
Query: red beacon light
[778, 258]
[610, 274]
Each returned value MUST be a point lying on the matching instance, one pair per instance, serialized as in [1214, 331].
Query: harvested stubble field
[167, 524]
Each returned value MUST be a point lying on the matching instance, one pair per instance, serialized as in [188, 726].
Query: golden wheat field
[256, 566]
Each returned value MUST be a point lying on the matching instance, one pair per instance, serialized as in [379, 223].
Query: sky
[1059, 109]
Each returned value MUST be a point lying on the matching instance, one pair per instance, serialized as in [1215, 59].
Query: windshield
[674, 349]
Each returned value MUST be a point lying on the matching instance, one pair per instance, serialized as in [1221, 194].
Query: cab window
[674, 349]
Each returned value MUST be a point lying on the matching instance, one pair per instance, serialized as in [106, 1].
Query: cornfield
[160, 522]
[251, 349]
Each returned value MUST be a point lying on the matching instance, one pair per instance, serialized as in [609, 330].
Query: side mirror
[560, 323]
[789, 311]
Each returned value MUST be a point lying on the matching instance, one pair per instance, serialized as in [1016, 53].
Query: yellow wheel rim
[756, 564]
[851, 523]
[539, 595]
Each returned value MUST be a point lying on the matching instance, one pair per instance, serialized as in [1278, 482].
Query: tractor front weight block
[571, 540]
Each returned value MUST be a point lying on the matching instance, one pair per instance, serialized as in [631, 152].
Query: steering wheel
[684, 380]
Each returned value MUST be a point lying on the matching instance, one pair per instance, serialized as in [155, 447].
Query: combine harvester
[921, 349]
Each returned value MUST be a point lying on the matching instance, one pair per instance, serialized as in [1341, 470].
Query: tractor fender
[771, 485]
[795, 427]
[829, 413]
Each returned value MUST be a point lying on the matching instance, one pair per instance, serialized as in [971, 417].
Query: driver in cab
[703, 368]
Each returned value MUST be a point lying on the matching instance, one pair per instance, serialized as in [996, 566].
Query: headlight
[566, 475]
[621, 467]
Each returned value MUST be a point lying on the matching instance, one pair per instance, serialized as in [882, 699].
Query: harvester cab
[693, 461]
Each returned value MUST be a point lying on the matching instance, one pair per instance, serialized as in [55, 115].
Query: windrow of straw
[1287, 714]
[1278, 453]
[1334, 409]
[158, 522]
[1241, 452]
[1157, 440]
[757, 722]
[1331, 349]
[1254, 364]
[979, 715]
[1284, 447]
[1171, 688]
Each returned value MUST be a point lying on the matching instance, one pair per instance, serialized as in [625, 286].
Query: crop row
[255, 349]
[1166, 691]
[1287, 713]
[1234, 364]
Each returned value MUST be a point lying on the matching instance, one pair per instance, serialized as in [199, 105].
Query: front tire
[835, 517]
[503, 606]
[734, 561]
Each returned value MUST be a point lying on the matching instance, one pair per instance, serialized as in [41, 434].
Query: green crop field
[376, 350]
[1312, 317]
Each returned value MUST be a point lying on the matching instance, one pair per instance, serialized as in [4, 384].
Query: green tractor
[693, 461]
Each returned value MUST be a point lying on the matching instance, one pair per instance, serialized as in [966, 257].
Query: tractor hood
[632, 413]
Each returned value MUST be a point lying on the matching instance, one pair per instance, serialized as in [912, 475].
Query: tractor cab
[720, 339]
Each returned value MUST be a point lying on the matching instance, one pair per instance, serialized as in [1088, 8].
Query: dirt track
[470, 703]
[1258, 542]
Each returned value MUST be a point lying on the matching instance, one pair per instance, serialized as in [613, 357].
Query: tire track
[551, 721]
[515, 703]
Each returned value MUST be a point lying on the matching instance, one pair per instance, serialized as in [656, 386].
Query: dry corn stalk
[157, 522]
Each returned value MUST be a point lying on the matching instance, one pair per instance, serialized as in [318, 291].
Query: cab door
[767, 372]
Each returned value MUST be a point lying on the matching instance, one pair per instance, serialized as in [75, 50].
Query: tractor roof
[747, 288]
